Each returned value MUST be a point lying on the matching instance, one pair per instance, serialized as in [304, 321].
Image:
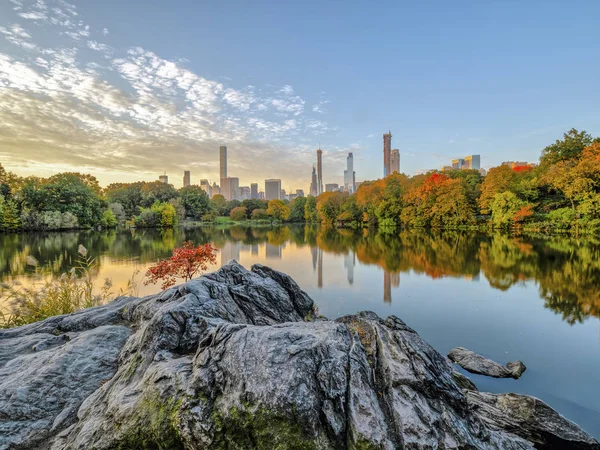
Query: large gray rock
[237, 359]
[475, 363]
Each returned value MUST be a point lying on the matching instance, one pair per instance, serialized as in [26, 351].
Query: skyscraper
[230, 188]
[254, 190]
[314, 190]
[299, 193]
[349, 185]
[387, 149]
[395, 161]
[163, 179]
[472, 162]
[186, 178]
[319, 171]
[244, 193]
[205, 186]
[222, 162]
[272, 189]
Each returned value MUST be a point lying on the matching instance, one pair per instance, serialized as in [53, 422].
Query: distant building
[299, 193]
[483, 172]
[261, 195]
[514, 164]
[291, 197]
[222, 161]
[216, 189]
[230, 188]
[358, 183]
[272, 189]
[186, 178]
[332, 187]
[349, 175]
[395, 161]
[387, 150]
[319, 171]
[205, 186]
[163, 179]
[447, 168]
[471, 162]
[245, 193]
[283, 195]
[314, 190]
[254, 190]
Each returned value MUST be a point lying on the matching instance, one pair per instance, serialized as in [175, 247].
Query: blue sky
[129, 89]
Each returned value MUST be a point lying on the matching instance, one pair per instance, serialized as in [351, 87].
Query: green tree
[278, 210]
[570, 147]
[297, 207]
[252, 204]
[195, 201]
[310, 210]
[260, 214]
[157, 191]
[218, 204]
[505, 209]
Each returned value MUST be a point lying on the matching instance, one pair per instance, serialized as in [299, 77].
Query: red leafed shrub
[186, 262]
[522, 169]
[523, 213]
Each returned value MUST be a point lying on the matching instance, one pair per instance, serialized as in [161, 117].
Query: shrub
[238, 213]
[108, 219]
[260, 214]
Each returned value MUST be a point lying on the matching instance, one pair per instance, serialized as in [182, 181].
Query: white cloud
[105, 31]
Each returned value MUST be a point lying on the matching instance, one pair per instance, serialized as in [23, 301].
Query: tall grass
[63, 294]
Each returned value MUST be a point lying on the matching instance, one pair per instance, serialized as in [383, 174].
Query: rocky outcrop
[481, 365]
[239, 359]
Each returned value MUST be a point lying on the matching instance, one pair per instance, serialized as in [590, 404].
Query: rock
[237, 359]
[481, 365]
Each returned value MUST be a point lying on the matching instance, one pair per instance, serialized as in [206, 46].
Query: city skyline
[109, 85]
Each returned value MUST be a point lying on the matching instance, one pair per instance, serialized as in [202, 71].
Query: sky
[129, 90]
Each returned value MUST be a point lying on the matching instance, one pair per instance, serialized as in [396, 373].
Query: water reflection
[566, 270]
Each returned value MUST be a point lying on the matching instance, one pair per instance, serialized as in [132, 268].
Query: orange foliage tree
[186, 262]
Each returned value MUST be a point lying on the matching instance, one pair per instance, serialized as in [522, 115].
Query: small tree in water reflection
[186, 262]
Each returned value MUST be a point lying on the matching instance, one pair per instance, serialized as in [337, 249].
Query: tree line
[561, 193]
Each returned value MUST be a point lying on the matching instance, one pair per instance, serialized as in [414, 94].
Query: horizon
[124, 96]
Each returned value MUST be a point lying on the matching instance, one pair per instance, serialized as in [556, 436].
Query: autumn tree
[570, 147]
[278, 210]
[238, 213]
[186, 262]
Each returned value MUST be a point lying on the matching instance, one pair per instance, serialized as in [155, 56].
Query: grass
[63, 294]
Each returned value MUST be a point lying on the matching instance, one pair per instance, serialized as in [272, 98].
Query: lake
[536, 299]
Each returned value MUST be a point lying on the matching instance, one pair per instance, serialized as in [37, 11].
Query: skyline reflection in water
[533, 299]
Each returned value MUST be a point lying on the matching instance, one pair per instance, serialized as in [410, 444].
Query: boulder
[475, 363]
[239, 359]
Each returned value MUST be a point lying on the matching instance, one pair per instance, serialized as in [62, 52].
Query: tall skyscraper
[186, 178]
[314, 190]
[299, 193]
[254, 190]
[230, 188]
[163, 179]
[244, 193]
[349, 184]
[215, 189]
[222, 162]
[395, 161]
[320, 171]
[472, 162]
[205, 186]
[332, 187]
[273, 189]
[387, 150]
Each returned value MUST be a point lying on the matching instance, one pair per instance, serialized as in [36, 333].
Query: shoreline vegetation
[560, 194]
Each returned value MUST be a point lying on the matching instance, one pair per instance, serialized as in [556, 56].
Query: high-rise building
[205, 186]
[222, 162]
[244, 193]
[387, 150]
[319, 171]
[349, 182]
[472, 162]
[261, 195]
[299, 193]
[254, 190]
[395, 161]
[314, 190]
[283, 195]
[215, 189]
[186, 178]
[332, 187]
[163, 179]
[273, 189]
[230, 188]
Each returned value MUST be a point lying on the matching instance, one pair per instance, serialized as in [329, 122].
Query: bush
[260, 214]
[108, 219]
[238, 213]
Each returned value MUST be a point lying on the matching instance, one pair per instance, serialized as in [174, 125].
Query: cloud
[59, 108]
[319, 107]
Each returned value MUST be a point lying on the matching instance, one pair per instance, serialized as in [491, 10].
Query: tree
[508, 210]
[310, 210]
[179, 208]
[329, 205]
[118, 211]
[498, 179]
[185, 263]
[157, 191]
[128, 195]
[230, 205]
[195, 201]
[278, 210]
[108, 219]
[239, 213]
[297, 209]
[218, 204]
[570, 147]
[260, 214]
[252, 204]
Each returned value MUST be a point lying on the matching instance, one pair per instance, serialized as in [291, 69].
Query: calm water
[508, 298]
